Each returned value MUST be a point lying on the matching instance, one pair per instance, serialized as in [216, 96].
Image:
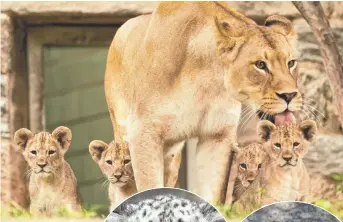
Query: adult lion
[184, 71]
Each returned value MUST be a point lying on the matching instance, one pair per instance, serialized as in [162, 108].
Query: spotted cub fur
[53, 185]
[115, 163]
[285, 178]
[249, 161]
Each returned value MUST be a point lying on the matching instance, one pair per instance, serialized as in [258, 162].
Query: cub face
[260, 63]
[44, 152]
[287, 143]
[250, 160]
[114, 161]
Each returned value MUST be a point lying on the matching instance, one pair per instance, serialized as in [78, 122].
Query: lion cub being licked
[285, 177]
[53, 184]
[115, 163]
[249, 161]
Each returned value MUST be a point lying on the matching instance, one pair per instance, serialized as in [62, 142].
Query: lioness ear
[96, 148]
[228, 39]
[21, 137]
[264, 129]
[308, 129]
[282, 25]
[63, 136]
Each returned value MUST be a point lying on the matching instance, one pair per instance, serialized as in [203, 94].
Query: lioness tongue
[284, 117]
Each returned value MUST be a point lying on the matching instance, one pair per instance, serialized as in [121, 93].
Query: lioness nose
[41, 165]
[287, 96]
[250, 181]
[287, 158]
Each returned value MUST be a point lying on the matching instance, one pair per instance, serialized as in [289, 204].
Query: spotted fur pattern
[166, 208]
[250, 160]
[53, 185]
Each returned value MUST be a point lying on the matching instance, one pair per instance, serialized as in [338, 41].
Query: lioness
[284, 177]
[53, 185]
[184, 71]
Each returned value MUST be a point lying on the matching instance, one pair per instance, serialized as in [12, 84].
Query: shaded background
[53, 57]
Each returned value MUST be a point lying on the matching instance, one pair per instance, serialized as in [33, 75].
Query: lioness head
[44, 152]
[250, 160]
[260, 65]
[113, 160]
[287, 143]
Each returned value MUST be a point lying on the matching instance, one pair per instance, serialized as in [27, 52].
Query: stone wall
[6, 34]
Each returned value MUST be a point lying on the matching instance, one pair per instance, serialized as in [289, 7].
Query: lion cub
[115, 163]
[52, 181]
[285, 177]
[249, 161]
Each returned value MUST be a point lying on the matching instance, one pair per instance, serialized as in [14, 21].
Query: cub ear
[264, 129]
[63, 136]
[21, 137]
[96, 148]
[235, 148]
[282, 25]
[308, 129]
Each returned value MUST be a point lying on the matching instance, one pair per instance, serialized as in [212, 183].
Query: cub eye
[259, 166]
[296, 144]
[51, 152]
[261, 65]
[243, 165]
[277, 145]
[127, 161]
[33, 152]
[291, 63]
[109, 162]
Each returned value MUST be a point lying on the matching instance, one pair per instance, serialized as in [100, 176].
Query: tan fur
[53, 185]
[119, 155]
[284, 180]
[115, 163]
[249, 161]
[183, 71]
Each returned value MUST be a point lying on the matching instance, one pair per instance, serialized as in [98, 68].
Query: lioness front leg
[146, 151]
[212, 158]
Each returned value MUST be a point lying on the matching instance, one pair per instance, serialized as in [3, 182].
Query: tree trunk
[333, 63]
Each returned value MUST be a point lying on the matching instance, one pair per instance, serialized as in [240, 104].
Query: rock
[291, 212]
[325, 156]
[313, 79]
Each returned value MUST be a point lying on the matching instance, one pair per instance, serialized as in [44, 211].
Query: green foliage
[234, 212]
[339, 179]
[13, 210]
[336, 208]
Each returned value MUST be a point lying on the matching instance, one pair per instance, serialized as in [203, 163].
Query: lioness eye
[127, 161]
[109, 162]
[261, 65]
[296, 144]
[51, 152]
[259, 166]
[33, 152]
[278, 145]
[243, 165]
[291, 63]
